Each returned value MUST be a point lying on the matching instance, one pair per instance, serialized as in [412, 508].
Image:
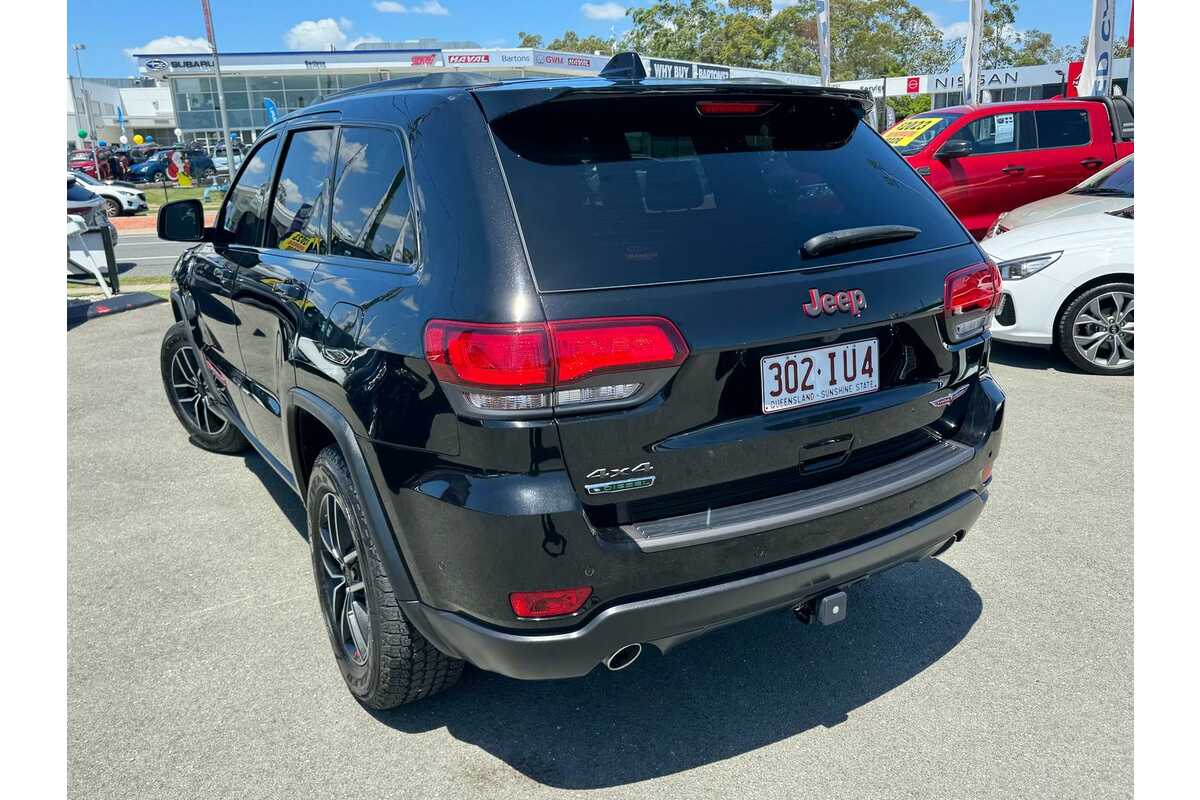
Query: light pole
[87, 106]
[212, 40]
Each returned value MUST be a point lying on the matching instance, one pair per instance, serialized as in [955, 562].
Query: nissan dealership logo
[157, 65]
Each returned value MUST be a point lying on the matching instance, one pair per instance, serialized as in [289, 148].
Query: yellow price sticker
[298, 242]
[905, 131]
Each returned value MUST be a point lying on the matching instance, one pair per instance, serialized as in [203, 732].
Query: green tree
[571, 42]
[1005, 46]
[909, 104]
[529, 39]
[868, 39]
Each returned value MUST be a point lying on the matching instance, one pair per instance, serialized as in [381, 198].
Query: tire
[400, 665]
[112, 208]
[189, 398]
[208, 173]
[158, 177]
[1095, 330]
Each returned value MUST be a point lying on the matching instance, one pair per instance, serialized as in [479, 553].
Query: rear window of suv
[642, 190]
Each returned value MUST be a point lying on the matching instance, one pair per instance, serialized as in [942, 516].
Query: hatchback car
[562, 368]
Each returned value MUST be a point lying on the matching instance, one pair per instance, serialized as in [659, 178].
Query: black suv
[565, 367]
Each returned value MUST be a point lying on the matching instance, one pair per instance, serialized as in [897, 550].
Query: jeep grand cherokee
[566, 367]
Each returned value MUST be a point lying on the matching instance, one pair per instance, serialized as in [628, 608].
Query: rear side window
[299, 210]
[641, 190]
[1000, 133]
[77, 193]
[1063, 128]
[372, 207]
[246, 206]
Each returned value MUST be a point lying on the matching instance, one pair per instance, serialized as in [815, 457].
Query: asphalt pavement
[199, 667]
[143, 254]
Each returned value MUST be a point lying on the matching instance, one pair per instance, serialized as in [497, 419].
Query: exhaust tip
[623, 657]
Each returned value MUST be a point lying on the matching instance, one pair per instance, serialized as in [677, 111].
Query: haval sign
[469, 58]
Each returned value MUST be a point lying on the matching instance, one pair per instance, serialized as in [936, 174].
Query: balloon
[138, 138]
[149, 139]
[82, 133]
[124, 139]
[102, 143]
[178, 133]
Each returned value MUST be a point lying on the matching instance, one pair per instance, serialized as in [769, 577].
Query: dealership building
[295, 79]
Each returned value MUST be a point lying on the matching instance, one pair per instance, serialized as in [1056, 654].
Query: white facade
[146, 109]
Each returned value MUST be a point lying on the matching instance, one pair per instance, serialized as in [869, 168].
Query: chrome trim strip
[800, 506]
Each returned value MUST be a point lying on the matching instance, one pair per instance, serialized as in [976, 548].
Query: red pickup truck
[987, 159]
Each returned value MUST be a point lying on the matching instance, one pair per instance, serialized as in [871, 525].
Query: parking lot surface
[199, 665]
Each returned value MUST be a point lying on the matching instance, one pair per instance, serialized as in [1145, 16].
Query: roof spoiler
[624, 66]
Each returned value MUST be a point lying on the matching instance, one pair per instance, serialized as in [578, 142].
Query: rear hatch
[694, 204]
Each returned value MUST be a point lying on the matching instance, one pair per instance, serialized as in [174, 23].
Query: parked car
[987, 159]
[221, 161]
[83, 202]
[1068, 283]
[118, 199]
[154, 168]
[1111, 189]
[622, 362]
[85, 161]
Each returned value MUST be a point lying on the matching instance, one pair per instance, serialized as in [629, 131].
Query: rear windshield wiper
[851, 238]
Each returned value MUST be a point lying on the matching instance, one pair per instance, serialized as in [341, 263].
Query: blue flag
[272, 111]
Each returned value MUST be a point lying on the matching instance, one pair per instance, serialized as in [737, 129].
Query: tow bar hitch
[824, 610]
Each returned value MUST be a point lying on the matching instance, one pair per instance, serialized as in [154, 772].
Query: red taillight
[710, 108]
[584, 347]
[549, 355]
[553, 603]
[489, 356]
[970, 297]
[975, 288]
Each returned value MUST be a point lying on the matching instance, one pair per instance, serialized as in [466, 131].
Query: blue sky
[175, 25]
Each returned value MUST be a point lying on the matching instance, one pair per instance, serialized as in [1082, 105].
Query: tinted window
[372, 208]
[245, 209]
[1000, 133]
[638, 190]
[1063, 128]
[78, 193]
[299, 209]
[1116, 180]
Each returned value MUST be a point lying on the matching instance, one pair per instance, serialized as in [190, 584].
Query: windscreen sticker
[906, 131]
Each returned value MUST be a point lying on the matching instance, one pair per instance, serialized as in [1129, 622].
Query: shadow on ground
[731, 692]
[1015, 355]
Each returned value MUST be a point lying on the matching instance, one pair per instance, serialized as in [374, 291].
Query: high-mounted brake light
[553, 603]
[714, 108]
[970, 297]
[547, 361]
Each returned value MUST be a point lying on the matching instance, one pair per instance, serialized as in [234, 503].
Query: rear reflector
[712, 108]
[545, 360]
[553, 603]
[970, 297]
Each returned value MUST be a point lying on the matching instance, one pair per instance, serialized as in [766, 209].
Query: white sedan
[1110, 189]
[118, 200]
[1068, 283]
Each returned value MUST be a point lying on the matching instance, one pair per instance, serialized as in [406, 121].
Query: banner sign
[686, 70]
[823, 38]
[1096, 78]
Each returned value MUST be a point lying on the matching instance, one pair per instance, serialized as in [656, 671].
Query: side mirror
[181, 221]
[955, 148]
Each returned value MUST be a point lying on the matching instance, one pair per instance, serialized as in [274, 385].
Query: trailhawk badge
[620, 479]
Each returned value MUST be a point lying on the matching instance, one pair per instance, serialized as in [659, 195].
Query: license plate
[808, 377]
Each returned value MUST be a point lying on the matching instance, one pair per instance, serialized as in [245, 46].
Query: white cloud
[431, 7]
[171, 44]
[315, 34]
[955, 30]
[603, 11]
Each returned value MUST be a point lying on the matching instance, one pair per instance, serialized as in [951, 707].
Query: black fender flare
[343, 434]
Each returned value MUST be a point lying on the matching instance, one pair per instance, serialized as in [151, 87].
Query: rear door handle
[1091, 163]
[1013, 169]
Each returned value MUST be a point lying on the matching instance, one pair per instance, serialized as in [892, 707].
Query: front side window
[245, 207]
[999, 133]
[910, 136]
[372, 209]
[1063, 128]
[299, 208]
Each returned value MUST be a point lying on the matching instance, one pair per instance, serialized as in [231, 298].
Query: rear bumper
[668, 620]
